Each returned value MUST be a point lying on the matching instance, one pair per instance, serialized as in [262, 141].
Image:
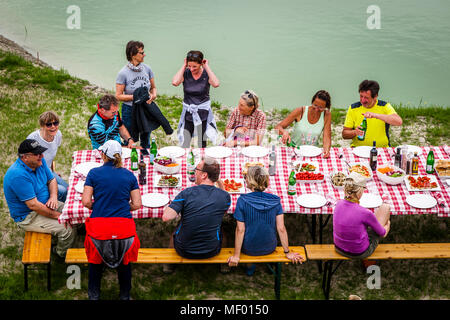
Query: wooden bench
[326, 252]
[169, 255]
[36, 250]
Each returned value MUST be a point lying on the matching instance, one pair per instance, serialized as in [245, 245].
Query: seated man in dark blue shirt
[202, 207]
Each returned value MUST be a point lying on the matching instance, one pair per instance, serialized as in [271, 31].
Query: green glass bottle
[153, 151]
[134, 160]
[363, 128]
[292, 184]
[430, 162]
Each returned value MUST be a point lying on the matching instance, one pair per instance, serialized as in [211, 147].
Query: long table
[231, 167]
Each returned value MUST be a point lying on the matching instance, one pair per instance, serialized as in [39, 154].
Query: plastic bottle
[292, 184]
[415, 164]
[363, 128]
[430, 162]
[153, 151]
[134, 159]
[191, 166]
[272, 161]
[373, 157]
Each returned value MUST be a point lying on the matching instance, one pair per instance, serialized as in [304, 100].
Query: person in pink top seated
[357, 230]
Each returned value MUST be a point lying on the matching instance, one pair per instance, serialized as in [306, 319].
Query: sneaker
[168, 268]
[144, 152]
[225, 268]
[250, 270]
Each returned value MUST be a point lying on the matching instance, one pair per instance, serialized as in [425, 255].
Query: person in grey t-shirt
[134, 75]
[50, 137]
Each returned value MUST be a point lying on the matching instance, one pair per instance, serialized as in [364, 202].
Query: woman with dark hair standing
[133, 75]
[310, 122]
[111, 238]
[197, 77]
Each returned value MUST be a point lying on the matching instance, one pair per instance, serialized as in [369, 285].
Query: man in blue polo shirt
[31, 192]
[202, 207]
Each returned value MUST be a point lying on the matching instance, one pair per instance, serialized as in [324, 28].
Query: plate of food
[250, 164]
[255, 151]
[309, 177]
[362, 151]
[311, 200]
[85, 167]
[422, 183]
[421, 201]
[168, 181]
[302, 166]
[154, 200]
[166, 165]
[338, 179]
[172, 151]
[233, 185]
[442, 168]
[308, 151]
[218, 152]
[362, 169]
[390, 174]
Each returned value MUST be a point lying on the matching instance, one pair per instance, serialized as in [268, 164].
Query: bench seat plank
[169, 255]
[385, 251]
[36, 248]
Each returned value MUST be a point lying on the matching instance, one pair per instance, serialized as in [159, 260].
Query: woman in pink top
[352, 239]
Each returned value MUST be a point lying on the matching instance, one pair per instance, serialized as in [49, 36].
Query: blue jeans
[126, 119]
[62, 187]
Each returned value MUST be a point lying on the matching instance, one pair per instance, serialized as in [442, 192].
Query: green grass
[26, 91]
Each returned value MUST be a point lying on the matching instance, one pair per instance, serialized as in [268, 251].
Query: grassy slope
[26, 91]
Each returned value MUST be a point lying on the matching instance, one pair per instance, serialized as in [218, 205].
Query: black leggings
[189, 131]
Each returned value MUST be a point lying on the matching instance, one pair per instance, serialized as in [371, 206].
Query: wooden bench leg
[25, 276]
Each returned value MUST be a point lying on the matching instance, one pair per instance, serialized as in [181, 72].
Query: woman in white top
[50, 137]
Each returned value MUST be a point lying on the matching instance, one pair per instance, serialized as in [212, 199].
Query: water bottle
[430, 162]
[292, 184]
[272, 161]
[191, 166]
[153, 151]
[364, 129]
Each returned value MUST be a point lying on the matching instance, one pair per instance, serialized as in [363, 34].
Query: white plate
[370, 200]
[172, 151]
[154, 200]
[432, 179]
[421, 201]
[255, 151]
[300, 163]
[79, 187]
[311, 200]
[412, 149]
[126, 152]
[238, 180]
[218, 152]
[85, 167]
[308, 151]
[362, 151]
[159, 176]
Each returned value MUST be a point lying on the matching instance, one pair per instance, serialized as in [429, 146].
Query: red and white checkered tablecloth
[231, 167]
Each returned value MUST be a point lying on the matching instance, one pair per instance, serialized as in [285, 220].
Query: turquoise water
[284, 50]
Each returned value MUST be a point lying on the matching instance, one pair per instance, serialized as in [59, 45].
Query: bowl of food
[338, 179]
[390, 174]
[250, 164]
[362, 169]
[166, 165]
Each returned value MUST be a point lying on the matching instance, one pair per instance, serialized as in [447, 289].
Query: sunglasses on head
[193, 55]
[50, 124]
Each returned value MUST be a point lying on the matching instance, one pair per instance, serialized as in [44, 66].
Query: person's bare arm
[86, 198]
[136, 201]
[120, 95]
[42, 209]
[295, 114]
[169, 214]
[239, 238]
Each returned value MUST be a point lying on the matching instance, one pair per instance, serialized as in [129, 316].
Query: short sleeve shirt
[21, 184]
[377, 130]
[202, 208]
[52, 146]
[256, 122]
[134, 79]
[112, 187]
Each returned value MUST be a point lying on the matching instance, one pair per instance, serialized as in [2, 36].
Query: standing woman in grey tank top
[196, 76]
